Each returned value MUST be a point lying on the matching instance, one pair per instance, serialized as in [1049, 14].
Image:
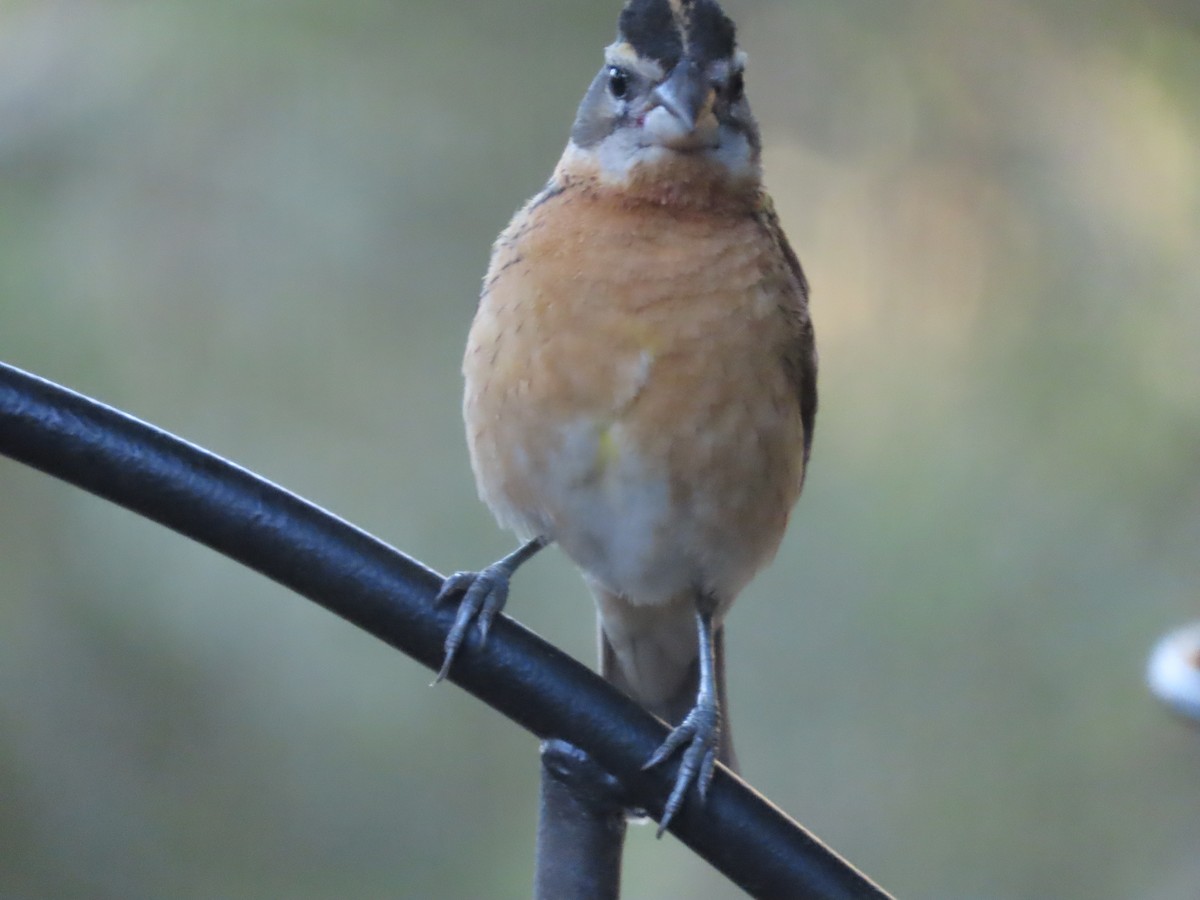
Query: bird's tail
[650, 653]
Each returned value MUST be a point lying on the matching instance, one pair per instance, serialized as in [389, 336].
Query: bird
[641, 374]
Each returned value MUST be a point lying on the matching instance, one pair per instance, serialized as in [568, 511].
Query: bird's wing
[801, 354]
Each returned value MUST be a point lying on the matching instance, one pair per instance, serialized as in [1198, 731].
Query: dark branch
[390, 595]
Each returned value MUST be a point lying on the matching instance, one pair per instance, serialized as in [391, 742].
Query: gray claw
[700, 731]
[484, 594]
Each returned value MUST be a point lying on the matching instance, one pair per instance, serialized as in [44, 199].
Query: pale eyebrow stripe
[622, 54]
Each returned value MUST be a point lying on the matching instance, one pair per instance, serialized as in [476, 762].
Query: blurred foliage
[262, 225]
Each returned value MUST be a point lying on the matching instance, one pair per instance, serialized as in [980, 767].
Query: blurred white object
[1174, 671]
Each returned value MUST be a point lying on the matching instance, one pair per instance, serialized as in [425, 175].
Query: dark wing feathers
[801, 356]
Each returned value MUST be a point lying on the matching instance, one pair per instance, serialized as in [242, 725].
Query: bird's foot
[483, 595]
[700, 731]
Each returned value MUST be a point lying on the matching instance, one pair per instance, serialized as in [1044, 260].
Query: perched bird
[641, 373]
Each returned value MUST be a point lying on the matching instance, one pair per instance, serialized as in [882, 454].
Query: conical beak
[685, 93]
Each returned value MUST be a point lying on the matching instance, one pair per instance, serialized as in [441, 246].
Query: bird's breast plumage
[626, 394]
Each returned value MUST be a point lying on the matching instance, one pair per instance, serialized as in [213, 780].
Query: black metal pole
[581, 828]
[390, 595]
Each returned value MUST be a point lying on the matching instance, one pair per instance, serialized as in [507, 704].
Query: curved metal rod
[388, 594]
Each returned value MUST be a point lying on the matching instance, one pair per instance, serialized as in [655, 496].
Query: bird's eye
[737, 87]
[618, 83]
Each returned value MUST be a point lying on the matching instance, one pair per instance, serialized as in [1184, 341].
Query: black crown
[668, 30]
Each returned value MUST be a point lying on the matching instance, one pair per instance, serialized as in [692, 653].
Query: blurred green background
[262, 226]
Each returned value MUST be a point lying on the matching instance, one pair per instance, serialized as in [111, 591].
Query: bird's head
[671, 91]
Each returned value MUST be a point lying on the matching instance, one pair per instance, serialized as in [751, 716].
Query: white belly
[619, 520]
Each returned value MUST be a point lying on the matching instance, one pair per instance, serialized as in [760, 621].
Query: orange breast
[625, 371]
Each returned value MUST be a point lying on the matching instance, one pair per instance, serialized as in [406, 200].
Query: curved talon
[458, 583]
[700, 731]
[484, 594]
